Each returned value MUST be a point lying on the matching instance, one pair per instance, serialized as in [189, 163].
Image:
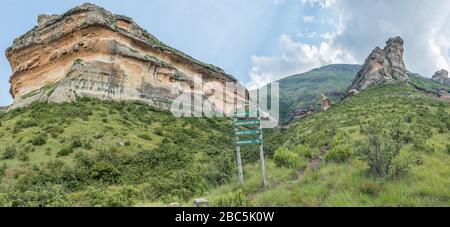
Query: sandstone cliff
[382, 65]
[441, 77]
[89, 51]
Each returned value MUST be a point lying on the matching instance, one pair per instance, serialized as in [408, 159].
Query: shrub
[24, 124]
[88, 145]
[4, 200]
[3, 170]
[339, 154]
[421, 146]
[39, 140]
[370, 188]
[23, 156]
[232, 199]
[307, 152]
[285, 158]
[76, 143]
[448, 149]
[54, 131]
[159, 132]
[112, 197]
[145, 137]
[65, 151]
[382, 152]
[44, 196]
[105, 172]
[9, 153]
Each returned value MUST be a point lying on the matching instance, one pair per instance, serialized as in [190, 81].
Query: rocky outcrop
[382, 65]
[441, 77]
[89, 51]
[300, 113]
[326, 103]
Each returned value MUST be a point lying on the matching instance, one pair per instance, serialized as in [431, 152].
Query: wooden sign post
[243, 120]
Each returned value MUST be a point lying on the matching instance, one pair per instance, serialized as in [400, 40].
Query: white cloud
[424, 25]
[278, 2]
[321, 3]
[308, 19]
[296, 57]
[360, 26]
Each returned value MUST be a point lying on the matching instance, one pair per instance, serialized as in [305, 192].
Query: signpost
[255, 131]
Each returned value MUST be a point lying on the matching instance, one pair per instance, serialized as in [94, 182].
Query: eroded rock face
[326, 103]
[382, 65]
[89, 51]
[441, 77]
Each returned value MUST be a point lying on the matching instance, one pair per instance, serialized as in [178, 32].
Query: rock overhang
[76, 33]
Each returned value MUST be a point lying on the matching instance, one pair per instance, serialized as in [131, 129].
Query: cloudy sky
[259, 41]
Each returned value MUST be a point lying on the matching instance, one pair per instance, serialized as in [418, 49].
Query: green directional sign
[249, 142]
[247, 114]
[247, 122]
[248, 132]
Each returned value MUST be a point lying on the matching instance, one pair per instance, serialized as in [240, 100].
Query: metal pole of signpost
[238, 149]
[261, 149]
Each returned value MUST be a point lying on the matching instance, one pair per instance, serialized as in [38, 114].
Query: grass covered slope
[305, 90]
[324, 161]
[97, 153]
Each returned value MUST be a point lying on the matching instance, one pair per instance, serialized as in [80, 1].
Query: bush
[112, 197]
[286, 158]
[105, 172]
[54, 131]
[65, 151]
[159, 132]
[24, 124]
[421, 146]
[370, 188]
[45, 196]
[4, 200]
[232, 199]
[39, 140]
[448, 149]
[9, 153]
[76, 143]
[145, 137]
[3, 171]
[339, 154]
[23, 156]
[382, 152]
[307, 152]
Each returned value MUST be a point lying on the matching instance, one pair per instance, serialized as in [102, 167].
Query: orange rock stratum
[89, 51]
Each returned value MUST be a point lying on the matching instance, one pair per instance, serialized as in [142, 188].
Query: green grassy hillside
[325, 159]
[388, 146]
[427, 84]
[305, 90]
[95, 153]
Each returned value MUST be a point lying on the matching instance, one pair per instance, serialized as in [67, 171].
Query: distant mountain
[303, 91]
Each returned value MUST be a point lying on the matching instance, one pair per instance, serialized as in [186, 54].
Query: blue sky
[259, 41]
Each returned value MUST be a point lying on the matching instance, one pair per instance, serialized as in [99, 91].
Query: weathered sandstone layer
[89, 51]
[382, 65]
